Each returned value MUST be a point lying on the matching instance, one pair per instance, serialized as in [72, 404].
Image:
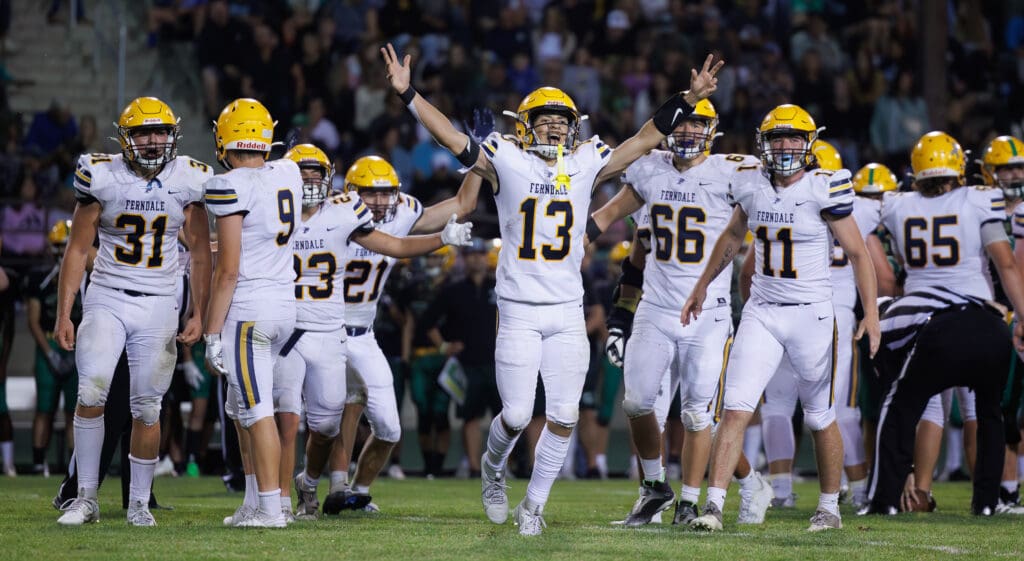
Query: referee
[932, 340]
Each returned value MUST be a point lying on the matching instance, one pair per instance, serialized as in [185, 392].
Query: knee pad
[564, 415]
[386, 432]
[695, 421]
[91, 395]
[848, 414]
[817, 420]
[248, 417]
[634, 408]
[327, 425]
[146, 409]
[516, 418]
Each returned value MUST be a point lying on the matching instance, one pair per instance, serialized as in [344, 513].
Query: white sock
[829, 502]
[286, 503]
[954, 449]
[88, 443]
[361, 489]
[142, 478]
[716, 496]
[252, 490]
[602, 464]
[859, 490]
[339, 479]
[749, 482]
[313, 483]
[549, 455]
[752, 440]
[853, 441]
[270, 501]
[7, 451]
[569, 464]
[653, 470]
[782, 484]
[689, 494]
[779, 442]
[499, 446]
[1011, 485]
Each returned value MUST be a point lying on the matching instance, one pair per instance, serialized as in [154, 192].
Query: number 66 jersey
[269, 199]
[139, 223]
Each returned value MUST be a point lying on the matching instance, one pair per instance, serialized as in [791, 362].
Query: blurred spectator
[813, 87]
[321, 131]
[552, 39]
[617, 40]
[899, 119]
[173, 20]
[521, 74]
[88, 140]
[511, 35]
[271, 76]
[25, 224]
[815, 37]
[355, 22]
[219, 46]
[9, 47]
[52, 17]
[51, 129]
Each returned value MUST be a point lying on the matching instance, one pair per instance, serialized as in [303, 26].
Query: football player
[793, 212]
[942, 231]
[137, 201]
[307, 369]
[543, 178]
[780, 397]
[686, 193]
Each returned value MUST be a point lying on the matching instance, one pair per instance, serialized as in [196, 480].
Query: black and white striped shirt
[902, 318]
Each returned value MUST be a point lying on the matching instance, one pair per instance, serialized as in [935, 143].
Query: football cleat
[242, 513]
[287, 513]
[345, 500]
[530, 523]
[395, 472]
[784, 502]
[261, 519]
[710, 520]
[493, 494]
[79, 511]
[139, 515]
[1009, 508]
[655, 496]
[686, 512]
[870, 509]
[307, 503]
[755, 502]
[823, 520]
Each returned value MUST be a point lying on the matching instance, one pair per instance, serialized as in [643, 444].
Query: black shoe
[959, 475]
[344, 500]
[1009, 498]
[878, 509]
[685, 513]
[983, 511]
[655, 496]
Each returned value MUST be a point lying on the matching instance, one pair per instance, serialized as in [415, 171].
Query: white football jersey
[687, 211]
[320, 249]
[366, 271]
[939, 238]
[1017, 222]
[542, 225]
[140, 219]
[867, 213]
[792, 242]
[269, 198]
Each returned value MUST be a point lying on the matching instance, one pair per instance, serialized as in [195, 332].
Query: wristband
[408, 95]
[593, 230]
[674, 110]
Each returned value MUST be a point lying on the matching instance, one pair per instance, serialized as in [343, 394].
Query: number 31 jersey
[367, 271]
[320, 252]
[792, 241]
[268, 199]
[542, 224]
[140, 219]
[688, 212]
[939, 238]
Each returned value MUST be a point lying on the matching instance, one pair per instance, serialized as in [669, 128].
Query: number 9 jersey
[939, 238]
[269, 199]
[542, 222]
[140, 219]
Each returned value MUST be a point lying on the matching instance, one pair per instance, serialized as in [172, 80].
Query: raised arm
[462, 204]
[625, 202]
[848, 235]
[399, 74]
[665, 119]
[84, 223]
[728, 244]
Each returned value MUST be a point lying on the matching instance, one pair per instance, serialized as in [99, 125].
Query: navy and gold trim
[220, 196]
[835, 350]
[719, 401]
[244, 364]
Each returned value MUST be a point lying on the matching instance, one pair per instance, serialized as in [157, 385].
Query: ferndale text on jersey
[306, 245]
[546, 189]
[774, 217]
[359, 251]
[678, 196]
[144, 206]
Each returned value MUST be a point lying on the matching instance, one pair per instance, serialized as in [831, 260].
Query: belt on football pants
[133, 293]
[357, 331]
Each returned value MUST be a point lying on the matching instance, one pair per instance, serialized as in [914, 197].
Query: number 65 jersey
[269, 199]
[542, 224]
[688, 212]
[140, 219]
[939, 238]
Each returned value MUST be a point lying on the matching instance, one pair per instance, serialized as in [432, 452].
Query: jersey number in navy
[356, 275]
[326, 288]
[916, 252]
[689, 244]
[785, 237]
[285, 213]
[132, 255]
[549, 252]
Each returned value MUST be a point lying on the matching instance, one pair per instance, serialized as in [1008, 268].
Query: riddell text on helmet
[244, 145]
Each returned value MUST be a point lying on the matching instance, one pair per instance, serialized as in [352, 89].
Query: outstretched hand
[399, 73]
[703, 84]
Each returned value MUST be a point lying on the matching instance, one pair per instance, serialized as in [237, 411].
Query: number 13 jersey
[140, 219]
[269, 199]
[542, 224]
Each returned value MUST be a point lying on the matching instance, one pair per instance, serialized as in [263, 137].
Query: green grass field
[442, 519]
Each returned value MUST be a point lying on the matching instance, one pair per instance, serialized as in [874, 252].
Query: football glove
[193, 375]
[455, 233]
[620, 325]
[215, 353]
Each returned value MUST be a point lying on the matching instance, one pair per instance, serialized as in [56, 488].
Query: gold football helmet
[244, 124]
[688, 145]
[826, 155]
[937, 154]
[58, 237]
[542, 101]
[143, 115]
[1003, 151]
[874, 179]
[376, 182]
[493, 252]
[314, 191]
[786, 120]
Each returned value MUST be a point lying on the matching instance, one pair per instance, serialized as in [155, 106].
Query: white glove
[455, 233]
[615, 346]
[193, 375]
[215, 353]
